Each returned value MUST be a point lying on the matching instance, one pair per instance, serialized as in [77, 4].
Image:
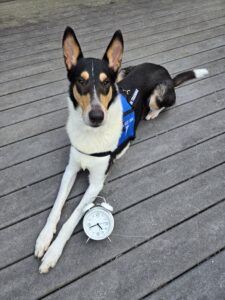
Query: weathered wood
[33, 94]
[90, 19]
[34, 109]
[36, 126]
[52, 54]
[176, 53]
[89, 16]
[204, 281]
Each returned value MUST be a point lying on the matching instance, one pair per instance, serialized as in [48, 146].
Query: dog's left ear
[114, 51]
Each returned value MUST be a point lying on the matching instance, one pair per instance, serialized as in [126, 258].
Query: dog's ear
[114, 51]
[71, 48]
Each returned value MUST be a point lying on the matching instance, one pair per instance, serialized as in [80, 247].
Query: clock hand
[99, 225]
[93, 225]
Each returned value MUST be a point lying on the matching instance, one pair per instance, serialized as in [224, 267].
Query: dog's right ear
[71, 48]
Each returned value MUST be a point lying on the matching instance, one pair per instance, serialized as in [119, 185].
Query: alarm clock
[98, 222]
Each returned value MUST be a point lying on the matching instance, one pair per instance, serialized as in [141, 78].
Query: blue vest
[128, 131]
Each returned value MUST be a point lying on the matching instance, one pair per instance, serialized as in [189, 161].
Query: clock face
[98, 223]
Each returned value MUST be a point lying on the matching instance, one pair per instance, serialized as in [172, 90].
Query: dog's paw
[50, 258]
[43, 241]
[152, 115]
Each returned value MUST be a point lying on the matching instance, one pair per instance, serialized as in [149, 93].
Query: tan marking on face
[105, 99]
[102, 77]
[85, 75]
[83, 100]
[153, 104]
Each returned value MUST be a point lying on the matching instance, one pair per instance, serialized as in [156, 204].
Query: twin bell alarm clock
[98, 221]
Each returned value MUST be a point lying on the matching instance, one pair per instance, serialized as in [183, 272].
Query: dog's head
[92, 81]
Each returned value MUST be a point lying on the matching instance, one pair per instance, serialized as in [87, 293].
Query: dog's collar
[100, 154]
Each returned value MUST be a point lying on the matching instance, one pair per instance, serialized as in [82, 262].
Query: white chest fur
[93, 140]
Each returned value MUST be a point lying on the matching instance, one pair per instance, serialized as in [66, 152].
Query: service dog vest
[128, 131]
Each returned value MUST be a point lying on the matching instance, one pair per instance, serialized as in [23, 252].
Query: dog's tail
[185, 76]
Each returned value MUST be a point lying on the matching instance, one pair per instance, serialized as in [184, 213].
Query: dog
[100, 125]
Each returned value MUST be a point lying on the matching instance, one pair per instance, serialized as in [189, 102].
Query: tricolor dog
[103, 117]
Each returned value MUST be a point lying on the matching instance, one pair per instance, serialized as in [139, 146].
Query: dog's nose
[96, 116]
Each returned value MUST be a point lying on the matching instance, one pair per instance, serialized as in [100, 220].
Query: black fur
[185, 76]
[145, 78]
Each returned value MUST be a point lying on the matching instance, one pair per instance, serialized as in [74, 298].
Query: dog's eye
[82, 81]
[106, 82]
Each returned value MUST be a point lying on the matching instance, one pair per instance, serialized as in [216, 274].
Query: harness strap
[100, 154]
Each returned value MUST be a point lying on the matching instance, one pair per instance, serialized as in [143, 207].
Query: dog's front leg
[96, 178]
[45, 237]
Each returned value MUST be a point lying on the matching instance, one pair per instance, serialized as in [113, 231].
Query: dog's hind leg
[162, 96]
[45, 237]
[96, 179]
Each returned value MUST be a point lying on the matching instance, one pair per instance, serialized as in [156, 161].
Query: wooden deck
[168, 191]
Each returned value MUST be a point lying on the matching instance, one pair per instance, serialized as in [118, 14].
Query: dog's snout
[96, 116]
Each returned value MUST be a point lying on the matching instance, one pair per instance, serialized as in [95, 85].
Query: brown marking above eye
[85, 75]
[102, 77]
[83, 100]
[105, 99]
